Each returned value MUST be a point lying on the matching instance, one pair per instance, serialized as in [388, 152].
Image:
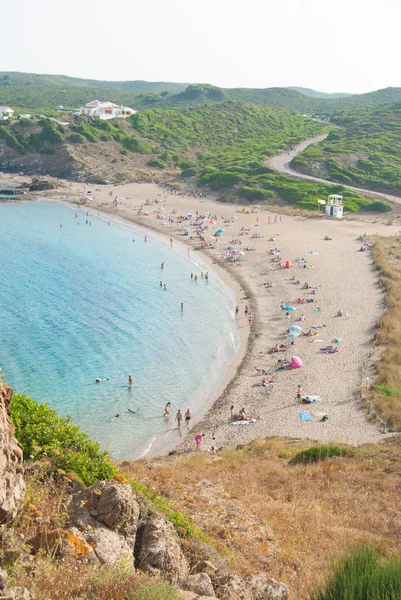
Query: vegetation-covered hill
[226, 146]
[39, 92]
[365, 151]
[223, 146]
[316, 94]
[12, 78]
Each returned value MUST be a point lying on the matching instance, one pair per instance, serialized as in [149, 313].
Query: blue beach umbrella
[295, 328]
[288, 308]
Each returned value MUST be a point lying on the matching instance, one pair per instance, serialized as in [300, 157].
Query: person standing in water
[130, 381]
[236, 310]
[167, 409]
[182, 307]
[162, 266]
[178, 418]
[146, 238]
[188, 416]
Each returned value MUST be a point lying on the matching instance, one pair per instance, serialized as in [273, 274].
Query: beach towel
[310, 399]
[305, 416]
[242, 422]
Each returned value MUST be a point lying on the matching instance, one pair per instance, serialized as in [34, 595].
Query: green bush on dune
[43, 434]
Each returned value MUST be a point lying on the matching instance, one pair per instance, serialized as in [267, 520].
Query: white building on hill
[106, 110]
[5, 113]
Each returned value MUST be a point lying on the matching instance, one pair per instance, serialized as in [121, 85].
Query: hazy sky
[343, 46]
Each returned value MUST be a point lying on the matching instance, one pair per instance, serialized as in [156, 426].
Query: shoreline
[239, 288]
[336, 378]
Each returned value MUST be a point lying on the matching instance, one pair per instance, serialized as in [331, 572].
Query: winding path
[281, 164]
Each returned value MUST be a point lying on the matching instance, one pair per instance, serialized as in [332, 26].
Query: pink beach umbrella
[296, 363]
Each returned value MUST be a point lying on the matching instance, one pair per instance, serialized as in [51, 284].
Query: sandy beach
[341, 277]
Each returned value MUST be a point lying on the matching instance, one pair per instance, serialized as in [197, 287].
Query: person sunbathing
[305, 286]
[327, 238]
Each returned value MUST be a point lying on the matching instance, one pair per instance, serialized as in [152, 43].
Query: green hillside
[365, 151]
[39, 92]
[11, 78]
[223, 146]
[226, 147]
[316, 94]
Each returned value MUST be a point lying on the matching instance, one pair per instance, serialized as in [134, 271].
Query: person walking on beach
[171, 242]
[246, 309]
[178, 418]
[188, 416]
[236, 310]
[167, 409]
[299, 393]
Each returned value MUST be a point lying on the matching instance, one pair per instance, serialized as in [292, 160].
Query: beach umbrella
[293, 335]
[185, 229]
[288, 265]
[296, 363]
[189, 214]
[220, 231]
[288, 308]
[295, 328]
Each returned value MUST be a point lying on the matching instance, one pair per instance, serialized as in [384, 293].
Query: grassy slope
[30, 91]
[227, 144]
[366, 151]
[224, 145]
[386, 394]
[317, 504]
[317, 511]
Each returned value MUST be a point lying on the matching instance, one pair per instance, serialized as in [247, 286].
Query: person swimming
[134, 412]
[98, 380]
[115, 417]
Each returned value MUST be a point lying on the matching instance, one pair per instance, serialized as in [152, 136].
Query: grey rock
[200, 583]
[12, 485]
[111, 533]
[3, 579]
[159, 551]
[17, 593]
[264, 587]
[235, 589]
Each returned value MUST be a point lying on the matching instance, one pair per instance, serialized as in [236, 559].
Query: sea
[81, 298]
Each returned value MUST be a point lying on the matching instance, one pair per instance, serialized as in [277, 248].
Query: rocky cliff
[12, 486]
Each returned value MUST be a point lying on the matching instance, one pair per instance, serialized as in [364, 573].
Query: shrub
[42, 433]
[189, 172]
[156, 162]
[11, 140]
[318, 453]
[362, 576]
[77, 138]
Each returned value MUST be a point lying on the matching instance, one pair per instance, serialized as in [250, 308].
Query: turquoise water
[83, 301]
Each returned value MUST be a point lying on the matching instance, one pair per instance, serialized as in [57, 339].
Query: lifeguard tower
[334, 206]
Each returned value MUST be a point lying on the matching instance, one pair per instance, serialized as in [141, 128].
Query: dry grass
[387, 395]
[316, 511]
[75, 581]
